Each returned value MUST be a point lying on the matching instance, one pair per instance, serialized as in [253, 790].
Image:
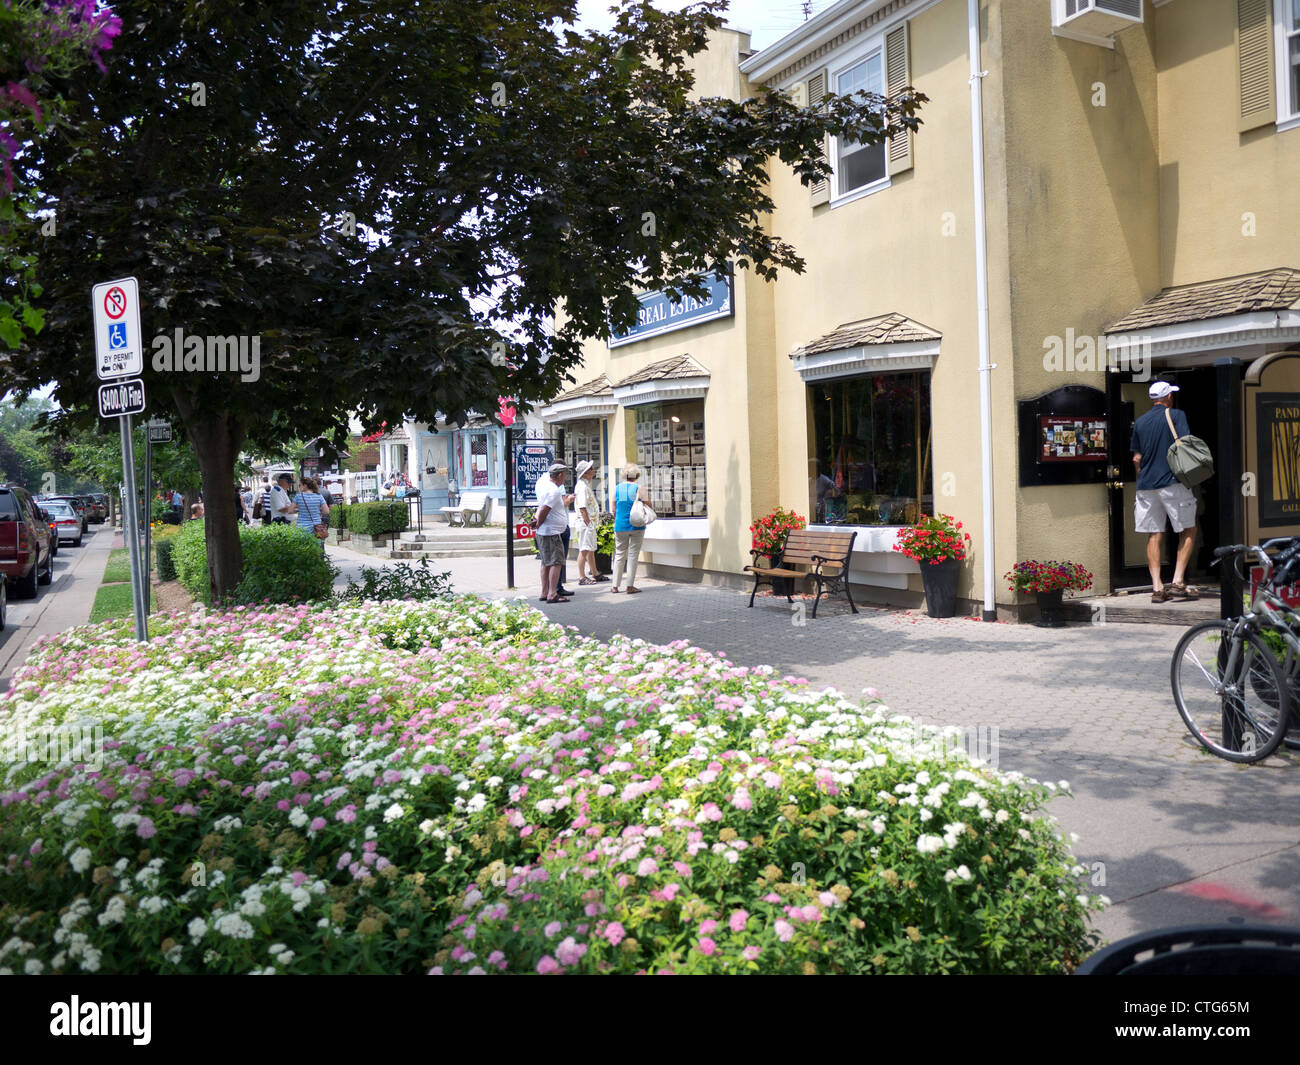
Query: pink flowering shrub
[463, 787]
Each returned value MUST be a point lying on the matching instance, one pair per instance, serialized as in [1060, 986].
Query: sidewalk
[1170, 834]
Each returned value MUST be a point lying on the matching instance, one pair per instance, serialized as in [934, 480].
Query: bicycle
[1232, 689]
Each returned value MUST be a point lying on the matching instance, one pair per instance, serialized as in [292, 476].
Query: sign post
[510, 509]
[119, 353]
[526, 461]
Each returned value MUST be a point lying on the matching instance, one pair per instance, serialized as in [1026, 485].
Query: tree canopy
[371, 188]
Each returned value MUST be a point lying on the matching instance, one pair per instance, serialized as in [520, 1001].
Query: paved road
[1179, 836]
[60, 605]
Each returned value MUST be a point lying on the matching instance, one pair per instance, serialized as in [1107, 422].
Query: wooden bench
[826, 554]
[473, 510]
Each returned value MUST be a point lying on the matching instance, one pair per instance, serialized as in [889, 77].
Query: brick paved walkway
[1180, 836]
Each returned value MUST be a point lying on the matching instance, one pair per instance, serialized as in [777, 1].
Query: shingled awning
[1246, 310]
[885, 343]
[680, 377]
[591, 399]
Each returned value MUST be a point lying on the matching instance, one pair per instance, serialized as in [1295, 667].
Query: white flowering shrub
[461, 786]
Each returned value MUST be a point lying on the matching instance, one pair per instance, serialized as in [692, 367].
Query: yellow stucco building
[1136, 161]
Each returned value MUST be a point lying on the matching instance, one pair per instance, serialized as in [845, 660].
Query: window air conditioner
[1094, 21]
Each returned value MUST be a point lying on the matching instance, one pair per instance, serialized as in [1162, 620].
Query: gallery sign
[1277, 435]
[660, 313]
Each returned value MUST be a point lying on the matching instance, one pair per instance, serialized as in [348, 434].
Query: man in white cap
[587, 511]
[551, 523]
[1160, 495]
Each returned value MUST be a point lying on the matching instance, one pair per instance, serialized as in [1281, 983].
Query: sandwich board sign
[119, 348]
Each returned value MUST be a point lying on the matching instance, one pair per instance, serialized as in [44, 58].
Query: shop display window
[870, 450]
[583, 440]
[670, 450]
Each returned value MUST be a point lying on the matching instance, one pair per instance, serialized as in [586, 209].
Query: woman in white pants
[627, 537]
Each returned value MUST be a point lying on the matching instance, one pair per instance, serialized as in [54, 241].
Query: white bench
[473, 510]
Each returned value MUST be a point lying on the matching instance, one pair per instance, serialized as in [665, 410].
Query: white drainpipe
[977, 75]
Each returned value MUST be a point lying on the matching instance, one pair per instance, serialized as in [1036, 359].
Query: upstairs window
[859, 165]
[1289, 34]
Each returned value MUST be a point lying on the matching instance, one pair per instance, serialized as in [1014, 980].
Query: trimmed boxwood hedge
[163, 552]
[337, 518]
[282, 563]
[373, 519]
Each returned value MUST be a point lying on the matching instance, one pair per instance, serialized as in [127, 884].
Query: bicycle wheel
[1291, 670]
[1230, 691]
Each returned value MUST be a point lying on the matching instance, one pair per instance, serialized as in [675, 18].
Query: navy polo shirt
[1151, 440]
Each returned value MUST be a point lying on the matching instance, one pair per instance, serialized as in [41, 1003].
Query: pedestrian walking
[312, 510]
[586, 507]
[283, 510]
[262, 510]
[551, 521]
[627, 537]
[1160, 496]
[178, 505]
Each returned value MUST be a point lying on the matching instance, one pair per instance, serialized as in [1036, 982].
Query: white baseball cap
[1160, 389]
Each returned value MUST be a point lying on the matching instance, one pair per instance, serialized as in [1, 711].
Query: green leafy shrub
[190, 559]
[605, 543]
[402, 581]
[403, 787]
[163, 553]
[374, 519]
[338, 516]
[282, 563]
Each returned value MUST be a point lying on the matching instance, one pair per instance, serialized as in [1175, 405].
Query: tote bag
[641, 514]
[1189, 457]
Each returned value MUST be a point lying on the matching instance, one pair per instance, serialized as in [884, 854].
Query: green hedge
[163, 553]
[372, 519]
[337, 518]
[282, 563]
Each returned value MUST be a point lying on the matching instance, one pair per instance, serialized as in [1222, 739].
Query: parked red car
[25, 556]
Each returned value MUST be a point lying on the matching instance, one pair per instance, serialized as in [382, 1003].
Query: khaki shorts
[551, 550]
[1152, 506]
[586, 537]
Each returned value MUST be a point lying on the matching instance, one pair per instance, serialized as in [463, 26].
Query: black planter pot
[1049, 603]
[940, 580]
[604, 563]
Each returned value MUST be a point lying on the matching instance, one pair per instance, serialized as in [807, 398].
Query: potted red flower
[937, 542]
[1048, 581]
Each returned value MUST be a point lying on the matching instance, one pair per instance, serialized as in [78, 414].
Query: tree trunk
[217, 440]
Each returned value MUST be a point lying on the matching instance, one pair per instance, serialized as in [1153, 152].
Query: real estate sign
[660, 313]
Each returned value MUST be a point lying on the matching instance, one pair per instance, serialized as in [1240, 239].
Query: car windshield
[59, 510]
[8, 505]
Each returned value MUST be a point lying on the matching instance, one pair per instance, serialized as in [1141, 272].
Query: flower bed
[462, 786]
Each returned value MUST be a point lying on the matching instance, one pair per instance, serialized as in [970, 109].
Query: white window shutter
[1258, 106]
[898, 153]
[814, 93]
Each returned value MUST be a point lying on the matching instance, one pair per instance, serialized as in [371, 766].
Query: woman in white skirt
[585, 504]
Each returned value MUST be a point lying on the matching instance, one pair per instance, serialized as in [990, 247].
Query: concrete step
[400, 554]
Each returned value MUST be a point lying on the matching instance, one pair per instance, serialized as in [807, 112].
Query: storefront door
[1128, 400]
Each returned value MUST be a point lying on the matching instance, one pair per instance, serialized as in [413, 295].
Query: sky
[766, 20]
